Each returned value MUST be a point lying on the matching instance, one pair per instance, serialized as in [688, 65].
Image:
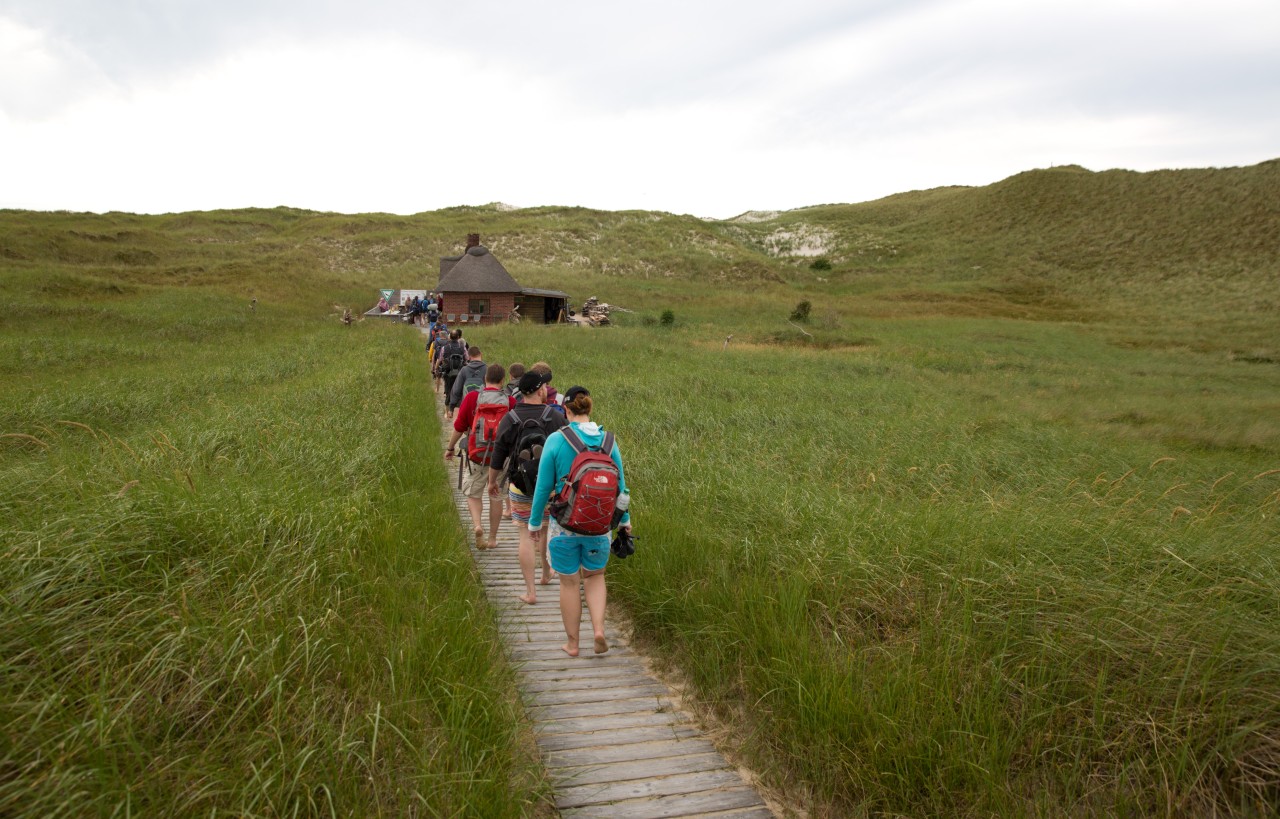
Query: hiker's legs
[448, 390]
[474, 484]
[546, 562]
[520, 510]
[495, 519]
[594, 590]
[570, 611]
[527, 557]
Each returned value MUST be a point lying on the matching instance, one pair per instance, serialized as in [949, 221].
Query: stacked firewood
[596, 312]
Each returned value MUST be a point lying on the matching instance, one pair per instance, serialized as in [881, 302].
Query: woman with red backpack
[581, 475]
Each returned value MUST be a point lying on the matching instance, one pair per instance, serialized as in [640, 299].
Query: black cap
[530, 381]
[574, 392]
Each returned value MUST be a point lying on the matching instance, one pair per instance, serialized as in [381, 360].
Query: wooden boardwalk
[613, 741]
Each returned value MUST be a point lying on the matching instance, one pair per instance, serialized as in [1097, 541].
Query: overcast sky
[706, 107]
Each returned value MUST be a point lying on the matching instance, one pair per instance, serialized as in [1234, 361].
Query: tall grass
[234, 581]
[946, 572]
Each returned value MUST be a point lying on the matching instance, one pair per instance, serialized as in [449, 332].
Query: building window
[478, 306]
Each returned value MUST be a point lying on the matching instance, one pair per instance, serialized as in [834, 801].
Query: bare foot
[493, 544]
[528, 599]
[570, 648]
[480, 539]
[602, 645]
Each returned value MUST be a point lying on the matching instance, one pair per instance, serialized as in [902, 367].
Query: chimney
[473, 240]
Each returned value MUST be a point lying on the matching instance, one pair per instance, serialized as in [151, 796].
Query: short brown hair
[543, 368]
[496, 374]
[517, 370]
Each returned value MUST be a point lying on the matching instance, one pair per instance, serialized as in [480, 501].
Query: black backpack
[531, 437]
[454, 357]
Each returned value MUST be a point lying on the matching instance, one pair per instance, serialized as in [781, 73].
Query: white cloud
[40, 74]
[588, 105]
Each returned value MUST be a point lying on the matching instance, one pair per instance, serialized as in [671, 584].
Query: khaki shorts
[475, 479]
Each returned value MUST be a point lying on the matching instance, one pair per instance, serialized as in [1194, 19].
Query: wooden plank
[656, 705]
[627, 770]
[539, 652]
[534, 633]
[579, 795]
[589, 689]
[712, 804]
[610, 722]
[599, 740]
[636, 688]
[572, 669]
[558, 661]
[630, 751]
[526, 625]
[759, 812]
[563, 680]
[525, 616]
[668, 807]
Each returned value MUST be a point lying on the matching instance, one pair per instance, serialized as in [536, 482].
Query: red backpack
[590, 492]
[491, 406]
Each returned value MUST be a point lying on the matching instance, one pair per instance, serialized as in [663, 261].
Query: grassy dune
[992, 532]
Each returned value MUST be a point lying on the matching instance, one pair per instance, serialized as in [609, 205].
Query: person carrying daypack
[469, 379]
[514, 372]
[581, 469]
[553, 399]
[478, 419]
[521, 437]
[452, 356]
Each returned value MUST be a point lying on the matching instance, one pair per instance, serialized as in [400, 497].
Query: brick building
[476, 284]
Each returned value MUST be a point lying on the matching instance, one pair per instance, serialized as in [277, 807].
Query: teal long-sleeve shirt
[557, 458]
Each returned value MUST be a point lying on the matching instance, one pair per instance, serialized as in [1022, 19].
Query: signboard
[387, 294]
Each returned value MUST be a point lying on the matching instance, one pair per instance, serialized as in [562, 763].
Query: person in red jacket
[483, 402]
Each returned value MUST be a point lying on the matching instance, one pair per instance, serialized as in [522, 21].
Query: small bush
[668, 318]
[820, 264]
[801, 313]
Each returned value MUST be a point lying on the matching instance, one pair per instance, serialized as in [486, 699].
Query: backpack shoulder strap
[572, 437]
[606, 446]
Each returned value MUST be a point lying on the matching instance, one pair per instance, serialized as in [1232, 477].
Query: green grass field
[232, 582]
[993, 532]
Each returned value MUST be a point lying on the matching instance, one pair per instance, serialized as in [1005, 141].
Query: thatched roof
[446, 264]
[477, 272]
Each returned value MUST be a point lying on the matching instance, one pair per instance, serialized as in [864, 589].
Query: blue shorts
[570, 552]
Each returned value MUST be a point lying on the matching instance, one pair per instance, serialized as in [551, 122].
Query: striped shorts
[521, 507]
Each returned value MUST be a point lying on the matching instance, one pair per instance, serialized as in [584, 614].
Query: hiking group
[545, 465]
